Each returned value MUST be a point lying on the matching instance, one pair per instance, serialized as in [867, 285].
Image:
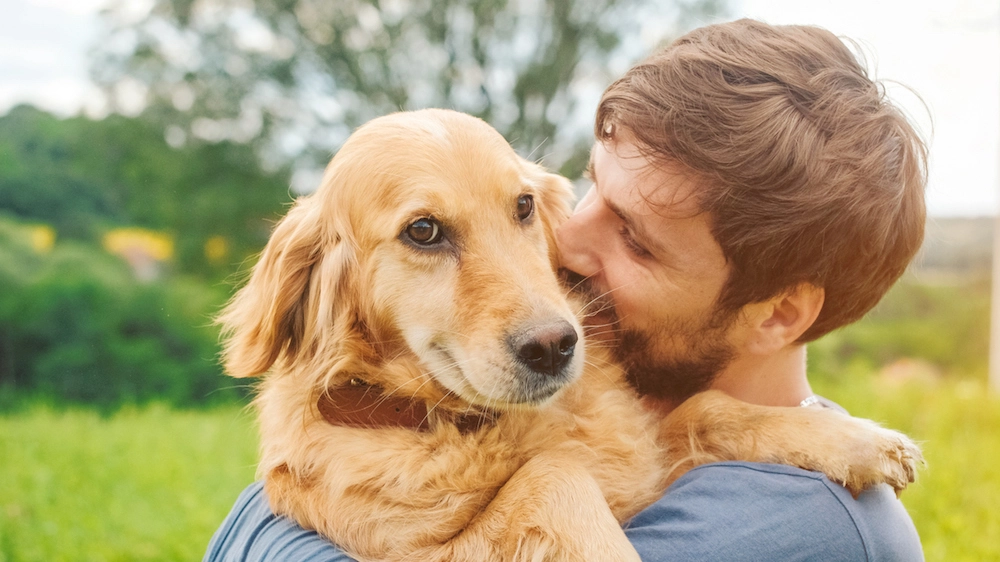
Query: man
[753, 190]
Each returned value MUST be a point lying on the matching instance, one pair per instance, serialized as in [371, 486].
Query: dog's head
[429, 245]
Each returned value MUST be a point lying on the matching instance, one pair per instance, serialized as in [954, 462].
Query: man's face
[653, 270]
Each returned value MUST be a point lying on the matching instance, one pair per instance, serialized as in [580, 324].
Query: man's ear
[781, 320]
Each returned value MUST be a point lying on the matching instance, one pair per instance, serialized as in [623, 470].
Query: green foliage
[83, 176]
[75, 326]
[310, 71]
[946, 326]
[38, 179]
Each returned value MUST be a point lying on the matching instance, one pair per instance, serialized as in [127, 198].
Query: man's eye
[424, 232]
[631, 243]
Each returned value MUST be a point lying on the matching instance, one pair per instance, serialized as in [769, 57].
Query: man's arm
[736, 512]
[743, 512]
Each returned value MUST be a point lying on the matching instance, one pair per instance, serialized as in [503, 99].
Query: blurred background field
[153, 482]
[123, 232]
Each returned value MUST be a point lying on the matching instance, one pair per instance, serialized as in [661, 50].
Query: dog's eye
[525, 207]
[424, 232]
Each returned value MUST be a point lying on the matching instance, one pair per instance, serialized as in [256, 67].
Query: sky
[948, 52]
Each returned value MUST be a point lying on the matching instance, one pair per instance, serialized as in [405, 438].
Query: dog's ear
[267, 317]
[555, 205]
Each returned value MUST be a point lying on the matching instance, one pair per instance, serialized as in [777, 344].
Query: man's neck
[773, 380]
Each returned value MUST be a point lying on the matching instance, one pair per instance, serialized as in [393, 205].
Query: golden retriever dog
[429, 395]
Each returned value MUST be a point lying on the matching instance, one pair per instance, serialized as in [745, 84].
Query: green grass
[153, 484]
[150, 484]
[955, 500]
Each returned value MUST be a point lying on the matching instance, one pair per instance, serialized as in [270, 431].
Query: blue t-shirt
[721, 512]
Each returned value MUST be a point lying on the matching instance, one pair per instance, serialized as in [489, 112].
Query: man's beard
[698, 353]
[672, 377]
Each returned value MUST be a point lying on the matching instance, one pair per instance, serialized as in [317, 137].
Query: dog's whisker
[600, 299]
[427, 380]
[493, 392]
[539, 145]
[434, 407]
[572, 288]
[588, 309]
[595, 308]
[603, 325]
[423, 376]
[602, 346]
[611, 344]
[602, 370]
[606, 328]
[603, 328]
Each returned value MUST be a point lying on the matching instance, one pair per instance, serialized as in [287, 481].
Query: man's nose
[576, 240]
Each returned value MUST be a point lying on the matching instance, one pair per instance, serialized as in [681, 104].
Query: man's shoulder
[252, 532]
[751, 511]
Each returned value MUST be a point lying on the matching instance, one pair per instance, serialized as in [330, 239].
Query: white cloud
[43, 45]
[76, 7]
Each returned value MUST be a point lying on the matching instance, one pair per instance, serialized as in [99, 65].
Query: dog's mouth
[529, 374]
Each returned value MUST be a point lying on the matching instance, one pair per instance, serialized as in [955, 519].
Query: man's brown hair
[809, 173]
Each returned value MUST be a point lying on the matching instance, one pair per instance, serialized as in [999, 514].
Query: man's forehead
[644, 185]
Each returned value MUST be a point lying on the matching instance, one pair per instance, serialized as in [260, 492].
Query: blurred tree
[294, 77]
[75, 326]
[38, 179]
[84, 176]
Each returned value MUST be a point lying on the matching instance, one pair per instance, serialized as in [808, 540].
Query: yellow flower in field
[124, 241]
[144, 250]
[43, 237]
[216, 248]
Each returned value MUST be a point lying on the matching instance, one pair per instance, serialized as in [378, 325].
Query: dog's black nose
[546, 349]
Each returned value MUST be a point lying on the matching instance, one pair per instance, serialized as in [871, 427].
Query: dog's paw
[877, 455]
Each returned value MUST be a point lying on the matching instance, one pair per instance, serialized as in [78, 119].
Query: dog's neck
[367, 406]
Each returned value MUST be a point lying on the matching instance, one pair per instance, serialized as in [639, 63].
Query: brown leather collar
[363, 405]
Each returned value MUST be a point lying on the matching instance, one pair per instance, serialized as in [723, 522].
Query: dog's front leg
[550, 510]
[857, 453]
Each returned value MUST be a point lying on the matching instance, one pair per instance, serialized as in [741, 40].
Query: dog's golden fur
[343, 293]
